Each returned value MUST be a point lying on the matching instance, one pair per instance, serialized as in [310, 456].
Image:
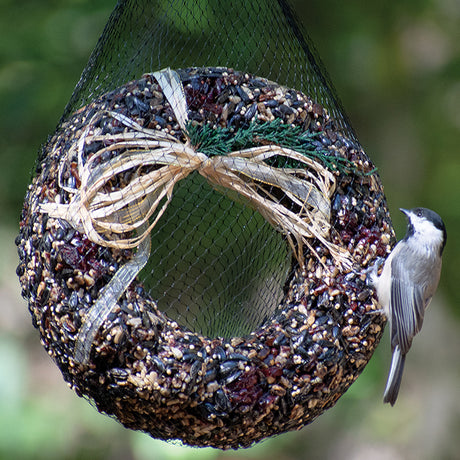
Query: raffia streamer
[107, 299]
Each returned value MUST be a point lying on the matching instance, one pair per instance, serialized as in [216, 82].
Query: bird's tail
[394, 376]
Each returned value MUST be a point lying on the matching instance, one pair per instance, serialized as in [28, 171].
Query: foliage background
[396, 67]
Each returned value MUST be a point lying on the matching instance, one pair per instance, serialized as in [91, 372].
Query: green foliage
[221, 141]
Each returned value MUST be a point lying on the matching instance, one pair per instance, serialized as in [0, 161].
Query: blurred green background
[396, 67]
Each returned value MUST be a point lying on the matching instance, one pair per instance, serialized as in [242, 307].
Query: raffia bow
[295, 201]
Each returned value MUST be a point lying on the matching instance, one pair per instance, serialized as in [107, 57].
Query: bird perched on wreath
[408, 281]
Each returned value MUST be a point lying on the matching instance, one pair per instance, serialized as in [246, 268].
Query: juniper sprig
[214, 141]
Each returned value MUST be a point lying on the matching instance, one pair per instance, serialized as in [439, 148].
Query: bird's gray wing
[407, 307]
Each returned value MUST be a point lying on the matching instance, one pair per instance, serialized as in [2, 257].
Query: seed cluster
[150, 372]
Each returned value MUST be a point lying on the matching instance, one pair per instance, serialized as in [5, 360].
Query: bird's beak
[405, 211]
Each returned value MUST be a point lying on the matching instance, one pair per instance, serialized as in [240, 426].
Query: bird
[407, 283]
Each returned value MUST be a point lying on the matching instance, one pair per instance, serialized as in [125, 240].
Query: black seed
[221, 401]
[244, 96]
[235, 121]
[125, 309]
[327, 357]
[196, 367]
[21, 252]
[280, 340]
[87, 299]
[237, 357]
[207, 411]
[256, 83]
[299, 339]
[228, 367]
[223, 97]
[271, 103]
[136, 105]
[219, 353]
[203, 353]
[321, 320]
[160, 120]
[364, 294]
[285, 109]
[190, 357]
[170, 362]
[302, 352]
[350, 277]
[45, 295]
[323, 300]
[232, 377]
[251, 112]
[61, 233]
[238, 107]
[315, 349]
[159, 364]
[210, 375]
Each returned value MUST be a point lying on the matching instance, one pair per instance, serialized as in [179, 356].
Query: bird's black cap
[430, 215]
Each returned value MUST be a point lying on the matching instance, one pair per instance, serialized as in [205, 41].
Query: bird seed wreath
[103, 184]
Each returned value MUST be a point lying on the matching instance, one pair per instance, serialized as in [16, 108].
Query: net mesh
[261, 37]
[209, 267]
[222, 267]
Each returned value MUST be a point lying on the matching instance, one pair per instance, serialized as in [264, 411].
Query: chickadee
[408, 281]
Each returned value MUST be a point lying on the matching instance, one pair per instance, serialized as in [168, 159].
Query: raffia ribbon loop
[296, 201]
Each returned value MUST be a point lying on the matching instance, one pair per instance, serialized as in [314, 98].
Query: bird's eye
[419, 213]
